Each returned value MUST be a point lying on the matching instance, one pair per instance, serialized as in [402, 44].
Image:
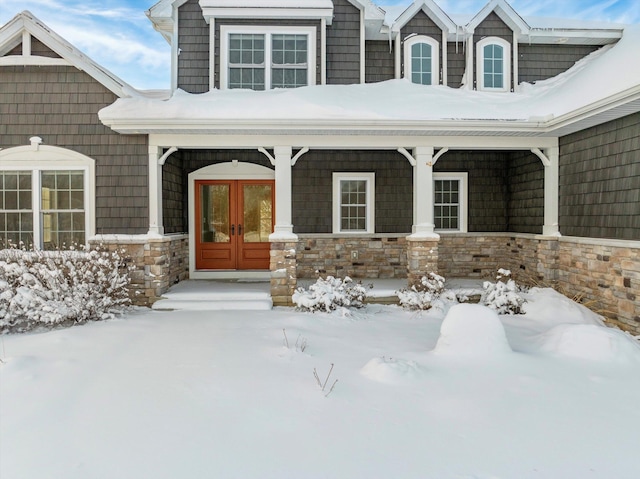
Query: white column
[283, 228]
[551, 192]
[155, 191]
[423, 221]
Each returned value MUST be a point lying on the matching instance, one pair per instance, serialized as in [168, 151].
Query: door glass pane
[214, 207]
[257, 215]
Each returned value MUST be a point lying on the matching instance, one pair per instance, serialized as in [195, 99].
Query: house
[329, 137]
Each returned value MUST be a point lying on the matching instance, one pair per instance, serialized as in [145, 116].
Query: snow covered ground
[170, 394]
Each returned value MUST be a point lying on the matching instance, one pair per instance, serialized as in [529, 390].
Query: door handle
[233, 230]
[239, 230]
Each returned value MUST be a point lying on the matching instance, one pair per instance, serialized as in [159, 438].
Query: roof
[11, 36]
[590, 92]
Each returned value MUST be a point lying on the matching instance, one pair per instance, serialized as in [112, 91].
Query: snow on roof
[596, 78]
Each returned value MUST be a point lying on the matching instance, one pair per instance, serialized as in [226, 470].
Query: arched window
[493, 64]
[46, 196]
[422, 60]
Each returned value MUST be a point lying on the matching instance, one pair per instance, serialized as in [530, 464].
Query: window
[450, 201]
[493, 64]
[422, 60]
[353, 202]
[262, 58]
[46, 197]
[16, 208]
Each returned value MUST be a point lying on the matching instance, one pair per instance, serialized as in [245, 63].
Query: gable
[26, 41]
[494, 26]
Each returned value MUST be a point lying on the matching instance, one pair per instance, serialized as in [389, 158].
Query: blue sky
[117, 34]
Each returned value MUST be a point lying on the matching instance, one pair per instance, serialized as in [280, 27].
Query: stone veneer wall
[378, 256]
[157, 263]
[284, 278]
[605, 276]
[532, 259]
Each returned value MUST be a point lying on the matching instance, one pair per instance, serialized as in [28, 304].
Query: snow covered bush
[55, 287]
[330, 294]
[422, 296]
[503, 296]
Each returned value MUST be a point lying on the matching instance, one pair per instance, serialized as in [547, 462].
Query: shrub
[330, 294]
[503, 296]
[60, 287]
[422, 296]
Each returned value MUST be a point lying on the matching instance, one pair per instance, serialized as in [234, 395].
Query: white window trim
[506, 71]
[50, 158]
[371, 188]
[463, 203]
[435, 56]
[226, 30]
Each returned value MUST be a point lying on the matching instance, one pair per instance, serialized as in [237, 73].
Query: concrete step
[215, 295]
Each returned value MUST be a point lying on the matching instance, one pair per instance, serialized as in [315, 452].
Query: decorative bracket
[408, 156]
[298, 155]
[166, 155]
[272, 160]
[545, 160]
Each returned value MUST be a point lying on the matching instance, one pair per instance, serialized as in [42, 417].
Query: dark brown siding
[313, 182]
[492, 26]
[379, 63]
[421, 24]
[343, 44]
[295, 23]
[456, 64]
[61, 104]
[488, 194]
[539, 62]
[600, 181]
[193, 41]
[525, 175]
[174, 200]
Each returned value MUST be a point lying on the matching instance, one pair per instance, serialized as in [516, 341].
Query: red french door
[234, 219]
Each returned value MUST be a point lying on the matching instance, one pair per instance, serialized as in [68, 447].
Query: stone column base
[283, 267]
[156, 262]
[422, 258]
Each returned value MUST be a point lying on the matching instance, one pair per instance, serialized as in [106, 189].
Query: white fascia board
[432, 10]
[572, 36]
[328, 127]
[352, 141]
[269, 13]
[506, 13]
[600, 108]
[162, 16]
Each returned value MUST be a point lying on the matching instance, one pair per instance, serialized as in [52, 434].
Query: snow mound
[390, 370]
[472, 330]
[590, 342]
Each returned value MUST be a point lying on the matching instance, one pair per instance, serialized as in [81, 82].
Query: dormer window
[262, 58]
[422, 60]
[493, 64]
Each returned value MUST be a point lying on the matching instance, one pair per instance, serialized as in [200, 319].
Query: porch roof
[603, 86]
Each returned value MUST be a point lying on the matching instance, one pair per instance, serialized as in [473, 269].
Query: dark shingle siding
[539, 62]
[61, 104]
[312, 179]
[343, 44]
[193, 41]
[487, 186]
[379, 63]
[492, 26]
[456, 64]
[600, 181]
[525, 175]
[421, 24]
